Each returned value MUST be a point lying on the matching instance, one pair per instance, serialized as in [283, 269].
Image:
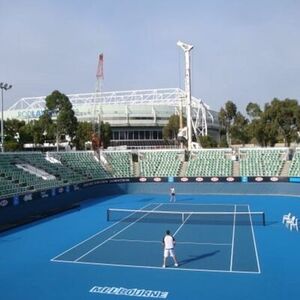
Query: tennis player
[169, 244]
[172, 194]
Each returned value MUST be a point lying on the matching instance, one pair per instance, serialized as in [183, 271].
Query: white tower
[99, 74]
[98, 91]
[187, 80]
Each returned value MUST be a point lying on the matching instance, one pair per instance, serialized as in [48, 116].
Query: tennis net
[214, 218]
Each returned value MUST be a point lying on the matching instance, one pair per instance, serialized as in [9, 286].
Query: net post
[182, 218]
[107, 215]
[264, 219]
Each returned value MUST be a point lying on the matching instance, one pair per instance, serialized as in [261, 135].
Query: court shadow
[197, 257]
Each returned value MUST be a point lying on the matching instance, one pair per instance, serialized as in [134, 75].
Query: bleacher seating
[160, 163]
[84, 163]
[262, 162]
[8, 186]
[30, 171]
[60, 171]
[18, 173]
[210, 162]
[121, 163]
[295, 164]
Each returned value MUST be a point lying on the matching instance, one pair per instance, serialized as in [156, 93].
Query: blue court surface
[81, 255]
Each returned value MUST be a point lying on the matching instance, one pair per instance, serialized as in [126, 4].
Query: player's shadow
[197, 257]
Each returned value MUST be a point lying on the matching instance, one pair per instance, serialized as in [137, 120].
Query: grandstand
[160, 163]
[210, 163]
[22, 172]
[136, 117]
[84, 163]
[294, 169]
[262, 161]
[121, 163]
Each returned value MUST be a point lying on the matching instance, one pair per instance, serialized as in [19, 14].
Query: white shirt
[172, 190]
[169, 242]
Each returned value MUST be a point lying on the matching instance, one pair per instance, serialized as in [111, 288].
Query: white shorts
[169, 252]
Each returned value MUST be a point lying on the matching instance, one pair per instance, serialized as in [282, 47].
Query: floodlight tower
[98, 90]
[3, 87]
[99, 74]
[187, 80]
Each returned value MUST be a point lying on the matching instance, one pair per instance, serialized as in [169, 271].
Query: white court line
[158, 268]
[184, 243]
[253, 236]
[200, 204]
[104, 242]
[232, 242]
[103, 230]
[181, 225]
[151, 267]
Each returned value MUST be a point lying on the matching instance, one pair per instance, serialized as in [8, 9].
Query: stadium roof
[129, 103]
[170, 96]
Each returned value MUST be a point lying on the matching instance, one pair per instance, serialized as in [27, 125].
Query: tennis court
[81, 255]
[210, 237]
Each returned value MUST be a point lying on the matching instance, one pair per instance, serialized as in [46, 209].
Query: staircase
[236, 168]
[182, 171]
[285, 168]
[136, 169]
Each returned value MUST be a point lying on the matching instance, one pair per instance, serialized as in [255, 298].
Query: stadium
[137, 117]
[87, 224]
[69, 213]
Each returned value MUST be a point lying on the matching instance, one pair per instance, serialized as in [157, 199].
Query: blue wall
[278, 188]
[25, 210]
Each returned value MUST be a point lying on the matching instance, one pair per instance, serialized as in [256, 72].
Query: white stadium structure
[137, 115]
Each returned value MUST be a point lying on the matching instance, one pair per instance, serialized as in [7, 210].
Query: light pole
[3, 86]
[187, 79]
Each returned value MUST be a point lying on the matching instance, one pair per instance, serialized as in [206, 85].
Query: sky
[244, 50]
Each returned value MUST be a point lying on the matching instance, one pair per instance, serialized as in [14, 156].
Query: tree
[261, 129]
[278, 121]
[223, 142]
[38, 132]
[239, 129]
[86, 133]
[67, 122]
[11, 138]
[26, 134]
[253, 110]
[58, 106]
[83, 134]
[106, 134]
[170, 131]
[284, 114]
[207, 142]
[226, 117]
